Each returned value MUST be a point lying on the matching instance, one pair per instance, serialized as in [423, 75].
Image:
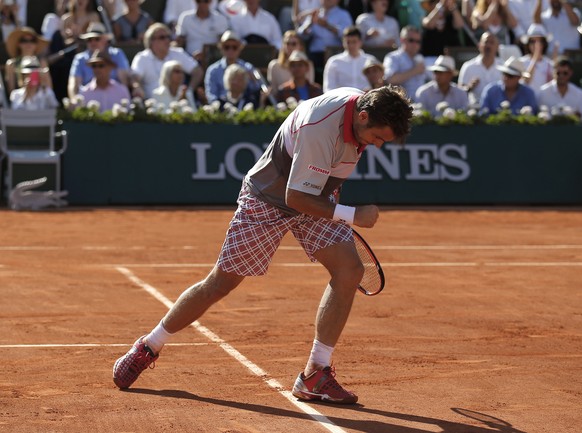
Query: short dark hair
[563, 61]
[387, 106]
[352, 31]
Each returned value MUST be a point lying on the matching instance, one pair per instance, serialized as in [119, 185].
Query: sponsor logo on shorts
[319, 170]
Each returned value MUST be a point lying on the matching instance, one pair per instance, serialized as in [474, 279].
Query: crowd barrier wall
[168, 164]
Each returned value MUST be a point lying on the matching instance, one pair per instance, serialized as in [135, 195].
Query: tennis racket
[373, 280]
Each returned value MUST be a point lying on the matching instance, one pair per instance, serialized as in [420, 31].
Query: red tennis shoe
[128, 368]
[321, 385]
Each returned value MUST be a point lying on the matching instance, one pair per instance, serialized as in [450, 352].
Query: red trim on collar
[348, 121]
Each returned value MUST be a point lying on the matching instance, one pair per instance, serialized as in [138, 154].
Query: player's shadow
[491, 424]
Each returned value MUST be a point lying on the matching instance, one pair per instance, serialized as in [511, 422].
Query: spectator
[509, 89]
[538, 66]
[173, 87]
[561, 21]
[77, 20]
[23, 42]
[324, 28]
[560, 92]
[199, 27]
[255, 25]
[130, 27]
[495, 17]
[442, 88]
[81, 73]
[278, 71]
[345, 69]
[102, 88]
[36, 93]
[374, 73]
[440, 27]
[9, 17]
[522, 10]
[230, 47]
[379, 29]
[405, 66]
[291, 17]
[51, 22]
[114, 8]
[147, 64]
[481, 70]
[175, 8]
[298, 87]
[237, 91]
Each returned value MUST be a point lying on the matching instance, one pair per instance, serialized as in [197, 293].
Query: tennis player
[289, 189]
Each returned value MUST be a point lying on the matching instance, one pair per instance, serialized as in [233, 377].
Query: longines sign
[412, 162]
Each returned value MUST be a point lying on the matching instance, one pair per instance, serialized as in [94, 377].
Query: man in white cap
[561, 20]
[509, 89]
[442, 88]
[230, 46]
[81, 73]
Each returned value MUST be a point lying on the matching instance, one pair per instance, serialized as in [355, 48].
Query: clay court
[478, 330]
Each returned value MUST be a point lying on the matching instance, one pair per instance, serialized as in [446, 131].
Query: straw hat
[95, 30]
[513, 66]
[99, 56]
[444, 64]
[14, 39]
[372, 63]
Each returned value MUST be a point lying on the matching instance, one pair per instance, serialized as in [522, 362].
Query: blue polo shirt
[80, 68]
[214, 79]
[494, 94]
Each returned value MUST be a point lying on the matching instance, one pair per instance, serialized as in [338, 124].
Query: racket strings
[372, 281]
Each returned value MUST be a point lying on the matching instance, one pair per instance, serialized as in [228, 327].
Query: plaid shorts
[257, 228]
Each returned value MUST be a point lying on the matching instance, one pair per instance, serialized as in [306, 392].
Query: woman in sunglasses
[23, 42]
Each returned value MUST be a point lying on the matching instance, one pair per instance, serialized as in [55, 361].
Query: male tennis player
[289, 188]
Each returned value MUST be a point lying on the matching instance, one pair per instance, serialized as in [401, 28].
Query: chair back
[24, 130]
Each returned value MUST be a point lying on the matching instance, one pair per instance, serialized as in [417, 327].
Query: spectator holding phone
[37, 93]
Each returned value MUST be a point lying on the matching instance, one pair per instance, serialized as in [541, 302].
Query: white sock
[157, 338]
[320, 354]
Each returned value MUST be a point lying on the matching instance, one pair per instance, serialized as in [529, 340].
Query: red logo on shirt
[319, 170]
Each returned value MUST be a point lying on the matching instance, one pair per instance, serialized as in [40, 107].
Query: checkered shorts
[257, 228]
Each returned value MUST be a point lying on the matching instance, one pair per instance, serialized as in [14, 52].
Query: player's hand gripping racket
[373, 280]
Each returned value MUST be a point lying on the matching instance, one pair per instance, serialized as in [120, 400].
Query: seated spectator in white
[256, 25]
[199, 27]
[130, 27]
[442, 88]
[36, 94]
[537, 64]
[345, 69]
[81, 73]
[509, 89]
[405, 66]
[374, 72]
[561, 20]
[22, 42]
[175, 8]
[379, 29]
[230, 47]
[147, 64]
[522, 10]
[291, 17]
[173, 87]
[237, 92]
[560, 92]
[481, 70]
[298, 87]
[102, 88]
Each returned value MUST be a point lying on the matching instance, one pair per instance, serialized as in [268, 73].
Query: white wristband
[344, 213]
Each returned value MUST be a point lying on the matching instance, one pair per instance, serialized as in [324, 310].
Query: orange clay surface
[479, 329]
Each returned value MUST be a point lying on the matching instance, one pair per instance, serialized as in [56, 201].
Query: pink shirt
[113, 94]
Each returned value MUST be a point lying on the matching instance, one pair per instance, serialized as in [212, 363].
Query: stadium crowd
[483, 54]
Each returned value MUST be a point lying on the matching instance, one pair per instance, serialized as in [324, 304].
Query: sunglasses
[230, 47]
[27, 41]
[562, 73]
[93, 39]
[202, 1]
[160, 38]
[413, 41]
[177, 71]
[292, 43]
[510, 76]
[98, 65]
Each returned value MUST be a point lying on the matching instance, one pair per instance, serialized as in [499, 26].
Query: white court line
[43, 346]
[252, 367]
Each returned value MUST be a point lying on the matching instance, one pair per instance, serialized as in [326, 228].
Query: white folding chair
[28, 140]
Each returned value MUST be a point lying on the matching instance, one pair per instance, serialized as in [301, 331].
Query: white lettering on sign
[425, 162]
